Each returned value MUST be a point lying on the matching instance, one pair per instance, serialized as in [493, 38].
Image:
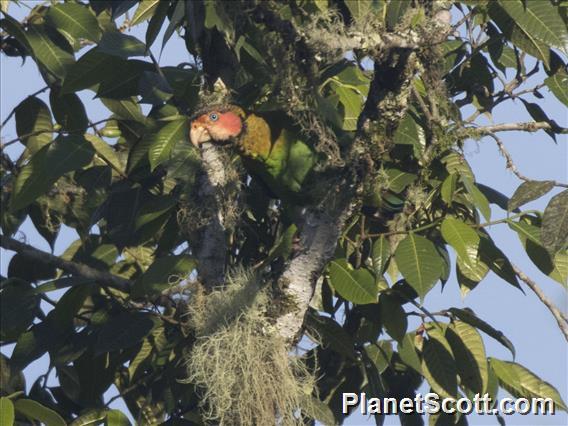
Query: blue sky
[522, 317]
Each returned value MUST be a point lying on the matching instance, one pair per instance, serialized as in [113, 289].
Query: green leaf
[124, 80]
[410, 133]
[380, 354]
[154, 88]
[145, 11]
[407, 352]
[538, 18]
[6, 412]
[478, 197]
[517, 33]
[69, 111]
[393, 316]
[398, 180]
[358, 286]
[162, 142]
[497, 261]
[156, 22]
[361, 8]
[283, 246]
[162, 274]
[395, 12]
[558, 84]
[529, 191]
[331, 334]
[380, 255]
[419, 262]
[495, 196]
[317, 410]
[465, 241]
[32, 116]
[449, 188]
[18, 304]
[456, 163]
[127, 109]
[529, 234]
[106, 151]
[124, 330]
[352, 102]
[116, 418]
[554, 232]
[64, 154]
[91, 68]
[74, 20]
[522, 383]
[51, 56]
[468, 316]
[143, 354]
[33, 410]
[469, 352]
[153, 209]
[90, 418]
[124, 46]
[439, 366]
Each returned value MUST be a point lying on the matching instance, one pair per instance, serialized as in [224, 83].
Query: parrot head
[219, 124]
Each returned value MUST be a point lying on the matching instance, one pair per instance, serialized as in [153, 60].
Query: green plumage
[277, 156]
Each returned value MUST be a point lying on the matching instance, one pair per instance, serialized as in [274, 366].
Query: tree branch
[511, 165]
[70, 267]
[533, 126]
[560, 318]
[210, 249]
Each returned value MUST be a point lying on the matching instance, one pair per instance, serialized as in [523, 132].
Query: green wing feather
[283, 161]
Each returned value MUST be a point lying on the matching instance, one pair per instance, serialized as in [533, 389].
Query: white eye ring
[213, 116]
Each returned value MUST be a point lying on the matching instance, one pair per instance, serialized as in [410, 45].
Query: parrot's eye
[213, 116]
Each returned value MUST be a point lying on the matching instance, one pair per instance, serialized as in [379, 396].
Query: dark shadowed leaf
[33, 116]
[124, 81]
[558, 84]
[163, 273]
[74, 20]
[529, 191]
[126, 109]
[124, 46]
[554, 232]
[69, 111]
[91, 68]
[18, 304]
[124, 331]
[393, 316]
[538, 18]
[469, 353]
[468, 316]
[47, 53]
[439, 366]
[64, 154]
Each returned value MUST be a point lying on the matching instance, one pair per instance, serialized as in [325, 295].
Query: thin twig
[39, 132]
[511, 165]
[561, 319]
[14, 109]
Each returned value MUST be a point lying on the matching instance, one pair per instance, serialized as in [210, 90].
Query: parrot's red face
[215, 126]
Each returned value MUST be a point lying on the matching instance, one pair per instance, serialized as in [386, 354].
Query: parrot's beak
[198, 134]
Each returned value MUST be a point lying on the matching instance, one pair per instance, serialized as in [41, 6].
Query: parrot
[274, 153]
